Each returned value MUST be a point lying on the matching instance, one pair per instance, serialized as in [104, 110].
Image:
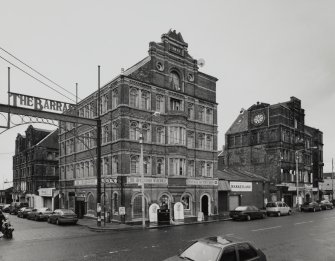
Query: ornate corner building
[167, 100]
[273, 141]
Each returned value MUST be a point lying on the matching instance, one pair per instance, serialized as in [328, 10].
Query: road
[303, 236]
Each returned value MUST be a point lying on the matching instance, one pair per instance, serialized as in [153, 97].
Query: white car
[278, 208]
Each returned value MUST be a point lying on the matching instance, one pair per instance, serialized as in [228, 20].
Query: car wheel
[278, 214]
[248, 218]
[57, 221]
[289, 212]
[314, 210]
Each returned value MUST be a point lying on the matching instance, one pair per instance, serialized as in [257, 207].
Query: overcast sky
[263, 51]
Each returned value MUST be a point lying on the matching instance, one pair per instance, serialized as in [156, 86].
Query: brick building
[180, 144]
[35, 168]
[264, 140]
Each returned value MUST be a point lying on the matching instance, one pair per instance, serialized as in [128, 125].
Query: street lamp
[156, 113]
[297, 172]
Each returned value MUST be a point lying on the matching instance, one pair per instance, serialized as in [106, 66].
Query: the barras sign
[38, 103]
[240, 186]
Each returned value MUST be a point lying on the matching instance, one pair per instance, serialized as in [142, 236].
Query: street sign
[122, 211]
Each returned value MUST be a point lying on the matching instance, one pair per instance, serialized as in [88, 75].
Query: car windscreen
[67, 211]
[241, 208]
[200, 251]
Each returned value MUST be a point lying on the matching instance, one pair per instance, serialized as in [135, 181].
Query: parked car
[247, 213]
[15, 206]
[311, 206]
[39, 214]
[219, 248]
[326, 204]
[278, 208]
[63, 216]
[23, 212]
[1, 205]
[5, 208]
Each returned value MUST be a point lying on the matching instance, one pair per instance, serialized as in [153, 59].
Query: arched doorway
[308, 197]
[204, 205]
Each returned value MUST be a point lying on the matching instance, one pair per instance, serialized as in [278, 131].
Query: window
[175, 81]
[177, 135]
[105, 134]
[246, 252]
[209, 142]
[105, 168]
[160, 166]
[229, 254]
[209, 169]
[190, 168]
[134, 132]
[104, 104]
[145, 100]
[115, 98]
[176, 105]
[190, 111]
[160, 104]
[190, 139]
[203, 168]
[209, 116]
[115, 131]
[146, 166]
[115, 203]
[115, 164]
[160, 135]
[186, 202]
[137, 206]
[87, 168]
[201, 141]
[134, 164]
[201, 113]
[177, 167]
[91, 172]
[133, 98]
[146, 132]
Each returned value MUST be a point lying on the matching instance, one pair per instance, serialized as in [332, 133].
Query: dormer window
[175, 81]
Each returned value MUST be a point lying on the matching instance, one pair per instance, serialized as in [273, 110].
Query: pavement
[92, 224]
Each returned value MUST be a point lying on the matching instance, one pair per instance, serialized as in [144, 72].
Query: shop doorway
[80, 207]
[204, 205]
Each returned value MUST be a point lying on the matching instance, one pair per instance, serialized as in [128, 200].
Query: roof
[239, 175]
[137, 66]
[240, 124]
[46, 137]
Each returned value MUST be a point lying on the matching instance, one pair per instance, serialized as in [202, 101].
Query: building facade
[167, 100]
[35, 168]
[273, 141]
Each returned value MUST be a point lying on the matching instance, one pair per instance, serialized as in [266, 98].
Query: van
[278, 208]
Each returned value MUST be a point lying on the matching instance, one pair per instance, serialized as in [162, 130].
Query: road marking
[266, 228]
[304, 222]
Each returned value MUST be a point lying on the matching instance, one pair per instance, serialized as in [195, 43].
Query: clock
[258, 119]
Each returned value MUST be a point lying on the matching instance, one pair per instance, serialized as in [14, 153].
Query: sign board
[153, 212]
[40, 104]
[202, 182]
[200, 216]
[241, 186]
[45, 192]
[122, 211]
[178, 211]
[85, 182]
[137, 180]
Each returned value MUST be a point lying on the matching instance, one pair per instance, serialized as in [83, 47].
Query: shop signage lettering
[202, 182]
[83, 182]
[240, 186]
[136, 180]
[45, 192]
[40, 104]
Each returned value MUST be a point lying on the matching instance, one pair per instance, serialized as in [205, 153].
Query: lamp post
[142, 170]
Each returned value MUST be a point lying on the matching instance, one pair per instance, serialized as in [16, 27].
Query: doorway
[80, 207]
[204, 205]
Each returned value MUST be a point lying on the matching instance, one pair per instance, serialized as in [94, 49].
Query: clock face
[259, 119]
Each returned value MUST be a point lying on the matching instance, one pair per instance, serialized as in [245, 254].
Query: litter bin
[163, 216]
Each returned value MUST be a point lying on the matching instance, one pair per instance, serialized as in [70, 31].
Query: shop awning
[223, 185]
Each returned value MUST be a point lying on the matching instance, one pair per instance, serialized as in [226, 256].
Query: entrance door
[80, 208]
[204, 205]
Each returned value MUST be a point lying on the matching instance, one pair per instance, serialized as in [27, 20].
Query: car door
[32, 214]
[247, 253]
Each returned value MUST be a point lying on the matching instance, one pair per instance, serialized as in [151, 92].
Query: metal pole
[8, 117]
[332, 178]
[98, 155]
[297, 178]
[105, 202]
[142, 179]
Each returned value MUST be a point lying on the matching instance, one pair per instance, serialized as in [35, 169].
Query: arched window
[115, 132]
[190, 168]
[133, 98]
[209, 169]
[175, 81]
[190, 111]
[209, 116]
[146, 166]
[145, 100]
[115, 164]
[134, 164]
[133, 134]
[90, 203]
[115, 98]
[201, 140]
[137, 207]
[160, 104]
[160, 166]
[209, 142]
[160, 135]
[201, 113]
[146, 132]
[190, 139]
[203, 168]
[186, 202]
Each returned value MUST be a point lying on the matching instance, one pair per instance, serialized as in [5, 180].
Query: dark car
[39, 214]
[219, 248]
[247, 213]
[6, 208]
[23, 212]
[326, 204]
[311, 206]
[63, 216]
[15, 206]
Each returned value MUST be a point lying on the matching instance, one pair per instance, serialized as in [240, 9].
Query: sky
[260, 50]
